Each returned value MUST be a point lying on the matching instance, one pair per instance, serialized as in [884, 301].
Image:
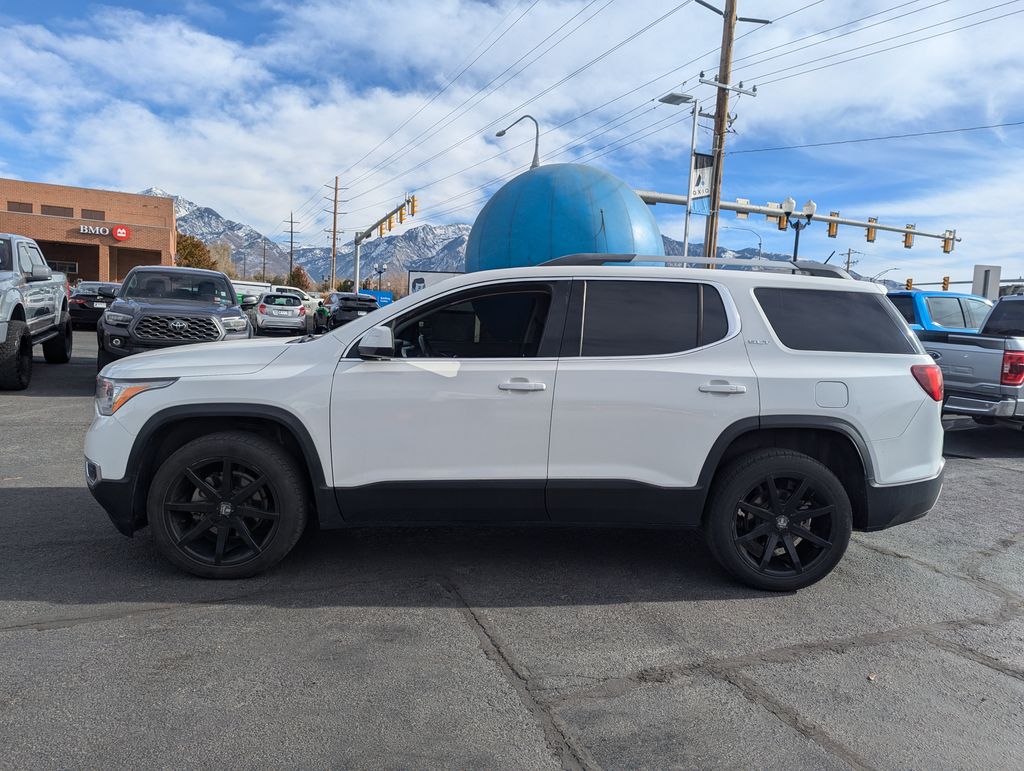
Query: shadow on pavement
[970, 440]
[74, 556]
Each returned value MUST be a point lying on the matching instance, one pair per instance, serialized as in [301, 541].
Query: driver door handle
[722, 388]
[522, 385]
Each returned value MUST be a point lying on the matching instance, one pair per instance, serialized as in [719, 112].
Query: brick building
[94, 235]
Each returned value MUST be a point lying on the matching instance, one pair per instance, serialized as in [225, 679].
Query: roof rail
[799, 267]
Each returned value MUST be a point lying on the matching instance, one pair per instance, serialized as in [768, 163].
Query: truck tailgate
[970, 363]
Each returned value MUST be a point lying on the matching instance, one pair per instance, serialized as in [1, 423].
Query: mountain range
[424, 247]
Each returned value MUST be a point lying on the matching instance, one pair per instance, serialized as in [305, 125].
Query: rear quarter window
[905, 306]
[828, 320]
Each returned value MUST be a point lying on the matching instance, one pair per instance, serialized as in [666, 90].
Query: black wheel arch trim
[324, 500]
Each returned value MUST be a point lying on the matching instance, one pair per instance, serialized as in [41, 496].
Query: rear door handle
[522, 385]
[722, 388]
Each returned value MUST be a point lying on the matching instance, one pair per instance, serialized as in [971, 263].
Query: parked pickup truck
[984, 372]
[33, 311]
[941, 311]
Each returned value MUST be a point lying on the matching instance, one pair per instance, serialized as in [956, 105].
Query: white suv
[778, 412]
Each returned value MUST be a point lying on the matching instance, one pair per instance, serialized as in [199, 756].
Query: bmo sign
[119, 232]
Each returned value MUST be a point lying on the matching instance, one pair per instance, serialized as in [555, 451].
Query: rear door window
[975, 311]
[946, 312]
[829, 320]
[1007, 318]
[643, 318]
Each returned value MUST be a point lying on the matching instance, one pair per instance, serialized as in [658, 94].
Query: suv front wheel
[778, 520]
[228, 505]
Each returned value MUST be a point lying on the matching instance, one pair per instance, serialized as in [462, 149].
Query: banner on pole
[700, 196]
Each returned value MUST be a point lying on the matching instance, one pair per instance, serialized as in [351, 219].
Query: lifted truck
[33, 311]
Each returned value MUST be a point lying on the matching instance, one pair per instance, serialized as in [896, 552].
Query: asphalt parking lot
[500, 648]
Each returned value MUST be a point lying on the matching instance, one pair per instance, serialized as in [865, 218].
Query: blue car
[938, 311]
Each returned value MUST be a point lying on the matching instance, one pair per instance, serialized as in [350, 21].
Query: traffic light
[945, 283]
[380, 230]
[947, 241]
[833, 227]
[871, 231]
[401, 214]
[910, 283]
[908, 238]
[412, 206]
[391, 222]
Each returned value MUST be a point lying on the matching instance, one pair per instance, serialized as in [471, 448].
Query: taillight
[76, 301]
[302, 310]
[1013, 368]
[929, 377]
[263, 309]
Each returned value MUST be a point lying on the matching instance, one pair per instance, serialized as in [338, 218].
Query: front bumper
[980, 406]
[896, 504]
[116, 496]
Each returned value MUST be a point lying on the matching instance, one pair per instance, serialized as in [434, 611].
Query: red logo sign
[121, 232]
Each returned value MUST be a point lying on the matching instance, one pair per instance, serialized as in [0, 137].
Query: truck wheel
[228, 505]
[57, 350]
[16, 357]
[778, 520]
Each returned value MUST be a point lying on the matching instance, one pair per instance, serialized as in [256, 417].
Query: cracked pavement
[500, 648]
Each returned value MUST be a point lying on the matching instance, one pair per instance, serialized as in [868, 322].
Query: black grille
[183, 329]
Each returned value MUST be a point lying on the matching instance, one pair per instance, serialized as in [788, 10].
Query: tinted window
[644, 318]
[57, 211]
[6, 259]
[18, 206]
[905, 305]
[975, 311]
[825, 320]
[1007, 318]
[946, 312]
[498, 325]
[93, 214]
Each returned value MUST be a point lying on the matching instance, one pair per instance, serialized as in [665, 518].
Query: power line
[878, 139]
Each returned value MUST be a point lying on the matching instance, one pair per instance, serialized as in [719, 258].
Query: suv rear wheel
[778, 520]
[228, 505]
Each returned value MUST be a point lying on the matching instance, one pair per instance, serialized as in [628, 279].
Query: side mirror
[40, 273]
[108, 292]
[249, 301]
[377, 343]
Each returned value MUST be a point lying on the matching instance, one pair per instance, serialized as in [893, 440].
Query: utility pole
[264, 258]
[291, 243]
[334, 239]
[722, 81]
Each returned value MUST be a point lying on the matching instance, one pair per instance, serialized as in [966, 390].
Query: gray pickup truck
[984, 373]
[33, 311]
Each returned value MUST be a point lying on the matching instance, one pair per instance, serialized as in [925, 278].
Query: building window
[24, 208]
[93, 214]
[58, 211]
[64, 267]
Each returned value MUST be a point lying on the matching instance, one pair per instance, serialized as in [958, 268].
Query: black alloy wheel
[784, 524]
[228, 505]
[222, 511]
[778, 520]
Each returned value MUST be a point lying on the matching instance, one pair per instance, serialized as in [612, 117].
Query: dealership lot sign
[119, 232]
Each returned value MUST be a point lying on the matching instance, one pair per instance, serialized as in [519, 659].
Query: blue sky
[250, 106]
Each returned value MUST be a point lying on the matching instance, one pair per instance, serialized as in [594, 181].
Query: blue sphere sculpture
[560, 209]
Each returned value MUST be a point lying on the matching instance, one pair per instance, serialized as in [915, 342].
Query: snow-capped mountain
[210, 227]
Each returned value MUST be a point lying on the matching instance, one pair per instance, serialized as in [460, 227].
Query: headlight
[120, 319]
[234, 324]
[112, 394]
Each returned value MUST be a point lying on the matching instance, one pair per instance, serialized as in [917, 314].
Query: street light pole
[536, 140]
[788, 209]
[760, 243]
[675, 98]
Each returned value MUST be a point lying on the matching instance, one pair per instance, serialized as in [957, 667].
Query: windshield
[180, 287]
[6, 263]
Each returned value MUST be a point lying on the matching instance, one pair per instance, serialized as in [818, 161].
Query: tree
[192, 253]
[220, 253]
[346, 285]
[299, 278]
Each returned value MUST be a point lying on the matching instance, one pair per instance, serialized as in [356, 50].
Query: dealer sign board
[119, 232]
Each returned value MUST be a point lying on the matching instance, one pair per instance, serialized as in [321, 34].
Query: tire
[57, 350]
[16, 357]
[214, 533]
[745, 519]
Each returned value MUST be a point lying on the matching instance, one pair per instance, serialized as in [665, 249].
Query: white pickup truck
[33, 311]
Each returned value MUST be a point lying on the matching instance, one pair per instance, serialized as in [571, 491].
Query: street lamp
[789, 209]
[879, 275]
[380, 269]
[536, 140]
[674, 98]
[760, 243]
